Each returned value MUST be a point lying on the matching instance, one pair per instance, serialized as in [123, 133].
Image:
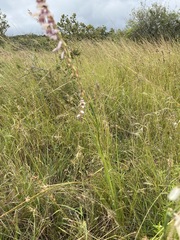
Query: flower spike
[46, 19]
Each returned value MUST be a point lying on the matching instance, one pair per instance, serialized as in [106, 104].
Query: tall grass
[107, 176]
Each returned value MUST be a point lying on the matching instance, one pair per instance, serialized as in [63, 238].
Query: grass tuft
[106, 176]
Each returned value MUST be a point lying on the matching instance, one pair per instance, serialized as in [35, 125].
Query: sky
[111, 13]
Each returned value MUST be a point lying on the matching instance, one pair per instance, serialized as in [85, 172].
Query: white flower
[58, 46]
[62, 55]
[174, 194]
[82, 112]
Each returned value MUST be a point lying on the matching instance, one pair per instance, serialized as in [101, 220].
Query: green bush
[72, 29]
[154, 23]
[31, 42]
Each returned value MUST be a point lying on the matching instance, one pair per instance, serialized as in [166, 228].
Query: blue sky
[111, 13]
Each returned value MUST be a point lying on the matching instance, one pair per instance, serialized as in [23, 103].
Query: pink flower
[45, 18]
[53, 37]
[44, 10]
[51, 19]
[51, 33]
[40, 1]
[41, 19]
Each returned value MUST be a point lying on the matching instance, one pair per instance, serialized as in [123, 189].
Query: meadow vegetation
[107, 175]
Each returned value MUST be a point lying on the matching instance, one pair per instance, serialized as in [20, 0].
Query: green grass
[107, 176]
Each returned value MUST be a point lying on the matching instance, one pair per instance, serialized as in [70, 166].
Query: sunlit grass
[107, 176]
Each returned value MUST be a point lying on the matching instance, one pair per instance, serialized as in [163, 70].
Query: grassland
[106, 176]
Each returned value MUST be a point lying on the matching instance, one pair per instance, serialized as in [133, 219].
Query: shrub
[3, 24]
[153, 23]
[72, 29]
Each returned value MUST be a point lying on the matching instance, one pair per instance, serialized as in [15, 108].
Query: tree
[3, 24]
[72, 29]
[153, 23]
